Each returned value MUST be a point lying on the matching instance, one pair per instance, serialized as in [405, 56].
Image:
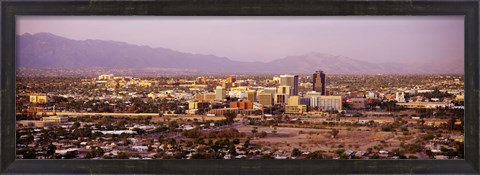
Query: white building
[330, 103]
[220, 93]
[105, 77]
[238, 94]
[400, 97]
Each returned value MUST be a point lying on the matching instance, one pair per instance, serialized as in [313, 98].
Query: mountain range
[46, 50]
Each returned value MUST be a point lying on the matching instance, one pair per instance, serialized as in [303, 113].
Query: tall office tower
[281, 98]
[252, 95]
[290, 80]
[265, 98]
[319, 82]
[271, 90]
[284, 90]
[220, 93]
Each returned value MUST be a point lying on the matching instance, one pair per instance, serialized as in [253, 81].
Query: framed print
[239, 87]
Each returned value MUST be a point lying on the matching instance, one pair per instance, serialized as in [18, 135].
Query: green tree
[296, 152]
[230, 117]
[75, 125]
[51, 149]
[247, 143]
[340, 151]
[315, 155]
[123, 155]
[232, 150]
[71, 155]
[266, 156]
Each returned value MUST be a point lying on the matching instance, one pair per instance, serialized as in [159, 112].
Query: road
[155, 116]
[99, 114]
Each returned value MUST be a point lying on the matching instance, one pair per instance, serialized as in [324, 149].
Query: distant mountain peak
[26, 34]
[317, 54]
[46, 50]
[46, 34]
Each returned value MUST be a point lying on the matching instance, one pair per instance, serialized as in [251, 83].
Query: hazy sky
[385, 39]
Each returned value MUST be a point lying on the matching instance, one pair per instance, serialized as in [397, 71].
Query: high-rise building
[281, 98]
[265, 98]
[319, 82]
[252, 95]
[220, 93]
[290, 80]
[284, 90]
[271, 90]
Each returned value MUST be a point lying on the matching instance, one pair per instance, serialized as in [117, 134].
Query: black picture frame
[468, 8]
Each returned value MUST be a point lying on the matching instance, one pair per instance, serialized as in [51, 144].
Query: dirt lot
[307, 139]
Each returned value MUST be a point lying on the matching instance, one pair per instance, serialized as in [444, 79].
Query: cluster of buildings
[121, 81]
[217, 96]
[285, 93]
[214, 96]
[44, 121]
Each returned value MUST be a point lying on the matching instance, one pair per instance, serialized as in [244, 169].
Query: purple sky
[384, 39]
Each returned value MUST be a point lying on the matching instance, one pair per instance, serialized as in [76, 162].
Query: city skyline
[240, 117]
[265, 39]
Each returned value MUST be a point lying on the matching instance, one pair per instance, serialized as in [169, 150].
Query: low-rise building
[145, 83]
[243, 104]
[35, 123]
[56, 119]
[36, 98]
[198, 105]
[358, 103]
[330, 103]
[222, 111]
[295, 109]
[427, 105]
